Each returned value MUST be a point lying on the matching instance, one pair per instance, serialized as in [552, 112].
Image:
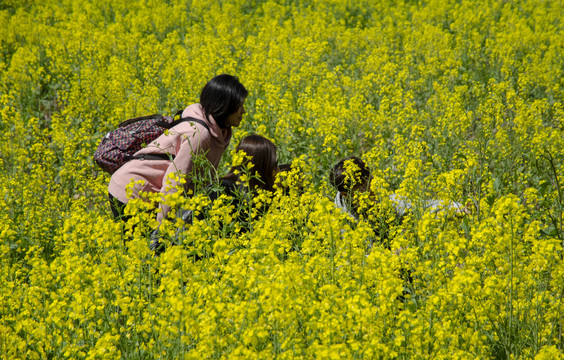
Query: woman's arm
[191, 144]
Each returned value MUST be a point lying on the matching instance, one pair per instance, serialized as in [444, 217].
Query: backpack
[119, 145]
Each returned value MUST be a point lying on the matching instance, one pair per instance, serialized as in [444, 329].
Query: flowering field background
[453, 100]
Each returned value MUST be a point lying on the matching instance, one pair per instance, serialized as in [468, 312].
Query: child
[350, 176]
[261, 153]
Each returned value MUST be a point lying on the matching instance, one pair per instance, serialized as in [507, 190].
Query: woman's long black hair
[222, 96]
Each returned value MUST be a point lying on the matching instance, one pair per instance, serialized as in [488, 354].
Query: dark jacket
[239, 198]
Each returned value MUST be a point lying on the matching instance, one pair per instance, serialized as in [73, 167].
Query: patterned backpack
[119, 145]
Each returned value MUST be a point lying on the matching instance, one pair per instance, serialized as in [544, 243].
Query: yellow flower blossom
[451, 101]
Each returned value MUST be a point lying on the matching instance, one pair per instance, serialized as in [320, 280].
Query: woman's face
[235, 118]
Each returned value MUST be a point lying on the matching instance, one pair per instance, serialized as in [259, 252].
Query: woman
[221, 107]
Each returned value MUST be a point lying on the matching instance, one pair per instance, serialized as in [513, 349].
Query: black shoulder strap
[188, 119]
[178, 121]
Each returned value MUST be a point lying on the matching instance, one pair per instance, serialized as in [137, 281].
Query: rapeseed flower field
[453, 100]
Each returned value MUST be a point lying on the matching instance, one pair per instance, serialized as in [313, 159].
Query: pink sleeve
[197, 142]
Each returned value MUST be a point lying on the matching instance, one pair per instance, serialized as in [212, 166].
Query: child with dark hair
[261, 154]
[260, 157]
[351, 176]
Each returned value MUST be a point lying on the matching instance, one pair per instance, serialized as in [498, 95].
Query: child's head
[350, 175]
[223, 96]
[262, 154]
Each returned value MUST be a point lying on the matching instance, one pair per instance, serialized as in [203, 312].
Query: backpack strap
[191, 120]
[178, 121]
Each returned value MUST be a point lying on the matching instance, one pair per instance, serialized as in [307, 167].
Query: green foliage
[450, 100]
